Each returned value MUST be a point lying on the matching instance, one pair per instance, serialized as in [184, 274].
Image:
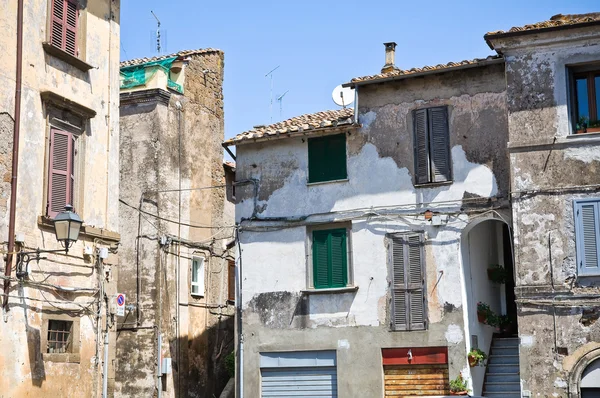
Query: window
[231, 280]
[64, 24]
[586, 101]
[432, 145]
[330, 259]
[327, 158]
[407, 277]
[587, 236]
[198, 276]
[61, 178]
[59, 336]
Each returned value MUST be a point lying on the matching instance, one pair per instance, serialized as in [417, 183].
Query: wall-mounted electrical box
[103, 253]
[166, 366]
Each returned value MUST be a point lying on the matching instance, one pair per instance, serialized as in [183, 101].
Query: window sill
[326, 182]
[347, 289]
[197, 295]
[591, 134]
[68, 58]
[63, 357]
[434, 184]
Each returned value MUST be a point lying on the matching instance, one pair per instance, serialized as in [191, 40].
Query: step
[504, 350]
[502, 394]
[502, 386]
[502, 368]
[502, 377]
[505, 341]
[504, 359]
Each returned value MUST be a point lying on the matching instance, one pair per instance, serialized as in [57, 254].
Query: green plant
[458, 384]
[497, 274]
[503, 322]
[230, 363]
[476, 357]
[582, 123]
[483, 307]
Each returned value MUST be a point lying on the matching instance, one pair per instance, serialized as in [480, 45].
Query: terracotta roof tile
[184, 53]
[425, 69]
[298, 124]
[555, 21]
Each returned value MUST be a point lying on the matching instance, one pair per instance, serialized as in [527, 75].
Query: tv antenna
[280, 99]
[157, 32]
[343, 96]
[270, 74]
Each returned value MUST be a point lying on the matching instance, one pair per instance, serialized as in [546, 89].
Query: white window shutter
[587, 215]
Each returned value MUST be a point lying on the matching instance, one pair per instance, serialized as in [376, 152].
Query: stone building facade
[371, 239]
[177, 228]
[59, 96]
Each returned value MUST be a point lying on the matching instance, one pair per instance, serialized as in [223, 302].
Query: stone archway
[583, 365]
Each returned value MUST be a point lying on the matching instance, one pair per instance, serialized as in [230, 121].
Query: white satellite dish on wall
[343, 96]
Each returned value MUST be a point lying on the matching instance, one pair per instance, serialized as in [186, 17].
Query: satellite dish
[343, 96]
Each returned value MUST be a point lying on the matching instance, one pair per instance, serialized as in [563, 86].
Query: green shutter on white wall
[327, 158]
[587, 216]
[330, 260]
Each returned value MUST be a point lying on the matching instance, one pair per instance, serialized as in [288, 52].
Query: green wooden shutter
[330, 261]
[422, 171]
[588, 237]
[408, 282]
[439, 144]
[327, 158]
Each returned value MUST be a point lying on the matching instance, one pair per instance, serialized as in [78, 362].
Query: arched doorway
[486, 243]
[590, 380]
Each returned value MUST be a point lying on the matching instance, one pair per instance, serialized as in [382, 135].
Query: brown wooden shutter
[64, 21]
[422, 171]
[439, 144]
[408, 279]
[231, 280]
[61, 177]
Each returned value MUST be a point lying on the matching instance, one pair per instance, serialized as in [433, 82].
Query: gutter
[15, 154]
[498, 60]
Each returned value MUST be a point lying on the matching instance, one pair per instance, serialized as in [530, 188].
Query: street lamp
[66, 228]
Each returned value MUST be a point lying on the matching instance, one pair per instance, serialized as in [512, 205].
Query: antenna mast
[157, 32]
[280, 99]
[270, 74]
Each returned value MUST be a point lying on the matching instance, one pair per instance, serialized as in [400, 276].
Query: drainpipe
[238, 304]
[15, 154]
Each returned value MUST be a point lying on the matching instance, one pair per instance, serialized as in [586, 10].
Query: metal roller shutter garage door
[299, 382]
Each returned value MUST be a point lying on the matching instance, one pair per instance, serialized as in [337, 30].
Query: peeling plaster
[587, 154]
[454, 334]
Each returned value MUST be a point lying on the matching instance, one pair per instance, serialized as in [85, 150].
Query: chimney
[390, 55]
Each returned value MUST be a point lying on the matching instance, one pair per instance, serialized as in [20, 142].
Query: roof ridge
[182, 53]
[554, 21]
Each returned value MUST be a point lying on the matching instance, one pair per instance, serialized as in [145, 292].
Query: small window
[59, 337]
[327, 158]
[330, 258]
[432, 145]
[586, 101]
[198, 276]
[587, 235]
[407, 277]
[61, 178]
[64, 25]
[230, 280]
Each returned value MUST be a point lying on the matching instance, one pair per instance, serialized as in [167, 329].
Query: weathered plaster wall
[172, 147]
[550, 167]
[25, 373]
[278, 316]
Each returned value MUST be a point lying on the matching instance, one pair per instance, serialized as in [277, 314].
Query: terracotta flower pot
[472, 361]
[459, 393]
[481, 317]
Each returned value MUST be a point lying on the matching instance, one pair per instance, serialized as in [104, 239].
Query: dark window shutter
[408, 282]
[64, 24]
[71, 20]
[61, 177]
[231, 280]
[327, 158]
[330, 264]
[588, 237]
[58, 19]
[439, 144]
[422, 171]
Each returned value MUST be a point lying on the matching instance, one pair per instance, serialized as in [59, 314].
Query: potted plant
[503, 323]
[584, 125]
[458, 386]
[497, 274]
[476, 357]
[483, 312]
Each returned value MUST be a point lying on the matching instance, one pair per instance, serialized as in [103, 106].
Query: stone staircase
[502, 379]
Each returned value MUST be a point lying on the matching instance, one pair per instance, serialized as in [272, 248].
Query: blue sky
[320, 44]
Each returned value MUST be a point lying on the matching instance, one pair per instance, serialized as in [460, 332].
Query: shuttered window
[61, 177]
[330, 262]
[432, 145]
[64, 24]
[230, 280]
[407, 282]
[587, 234]
[327, 158]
